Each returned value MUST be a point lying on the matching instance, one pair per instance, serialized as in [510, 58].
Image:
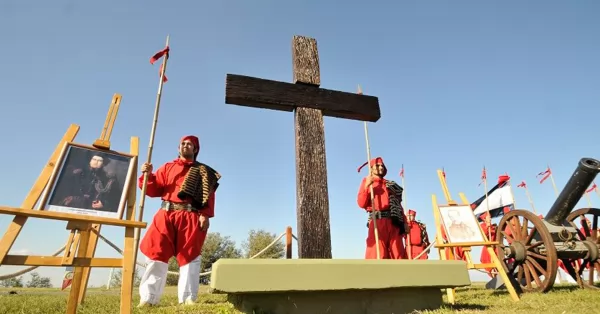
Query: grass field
[562, 299]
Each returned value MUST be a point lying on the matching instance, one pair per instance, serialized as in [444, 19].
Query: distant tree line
[36, 281]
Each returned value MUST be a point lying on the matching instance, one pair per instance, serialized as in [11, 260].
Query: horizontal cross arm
[267, 94]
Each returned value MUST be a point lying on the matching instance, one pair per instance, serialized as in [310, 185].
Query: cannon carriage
[531, 248]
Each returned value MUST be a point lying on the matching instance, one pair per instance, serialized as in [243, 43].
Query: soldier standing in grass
[391, 222]
[179, 227]
[419, 240]
[488, 229]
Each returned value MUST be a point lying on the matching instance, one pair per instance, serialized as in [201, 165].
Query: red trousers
[416, 250]
[390, 244]
[173, 233]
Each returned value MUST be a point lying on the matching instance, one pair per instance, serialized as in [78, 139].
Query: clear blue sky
[461, 84]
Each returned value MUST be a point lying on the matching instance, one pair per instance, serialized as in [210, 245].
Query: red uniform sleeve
[155, 184]
[209, 211]
[363, 200]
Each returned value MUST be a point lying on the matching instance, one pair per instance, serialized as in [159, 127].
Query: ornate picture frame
[89, 181]
[460, 224]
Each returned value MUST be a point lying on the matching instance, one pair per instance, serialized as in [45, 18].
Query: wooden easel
[83, 237]
[447, 248]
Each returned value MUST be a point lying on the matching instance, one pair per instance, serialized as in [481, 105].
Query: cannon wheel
[524, 258]
[593, 215]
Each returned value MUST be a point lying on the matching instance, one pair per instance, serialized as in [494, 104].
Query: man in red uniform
[419, 240]
[489, 230]
[179, 227]
[391, 222]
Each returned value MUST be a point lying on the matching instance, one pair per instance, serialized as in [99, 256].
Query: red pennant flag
[483, 176]
[68, 278]
[592, 188]
[522, 185]
[402, 171]
[546, 174]
[157, 56]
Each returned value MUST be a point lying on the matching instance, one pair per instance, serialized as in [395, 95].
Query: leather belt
[165, 205]
[381, 214]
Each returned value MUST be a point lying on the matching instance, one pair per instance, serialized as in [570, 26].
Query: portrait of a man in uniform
[90, 182]
[460, 224]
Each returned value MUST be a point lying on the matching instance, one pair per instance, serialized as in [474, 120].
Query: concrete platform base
[288, 286]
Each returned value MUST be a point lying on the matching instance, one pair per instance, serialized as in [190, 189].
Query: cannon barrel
[582, 177]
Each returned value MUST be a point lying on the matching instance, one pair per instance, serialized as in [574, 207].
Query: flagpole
[110, 275]
[587, 195]
[553, 184]
[408, 246]
[530, 200]
[136, 236]
[556, 192]
[487, 200]
[373, 209]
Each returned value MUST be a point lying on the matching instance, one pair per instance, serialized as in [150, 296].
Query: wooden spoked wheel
[585, 220]
[526, 250]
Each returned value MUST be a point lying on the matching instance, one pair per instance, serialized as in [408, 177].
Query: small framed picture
[89, 181]
[460, 224]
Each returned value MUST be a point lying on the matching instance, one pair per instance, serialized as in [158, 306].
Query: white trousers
[155, 278]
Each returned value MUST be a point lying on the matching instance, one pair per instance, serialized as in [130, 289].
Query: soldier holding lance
[187, 189]
[391, 221]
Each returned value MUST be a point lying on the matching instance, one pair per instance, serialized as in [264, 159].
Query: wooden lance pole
[163, 68]
[487, 200]
[524, 185]
[552, 180]
[408, 246]
[373, 207]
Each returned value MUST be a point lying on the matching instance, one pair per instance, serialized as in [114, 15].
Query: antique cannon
[531, 248]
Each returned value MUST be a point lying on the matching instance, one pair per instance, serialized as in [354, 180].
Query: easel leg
[128, 272]
[129, 249]
[78, 275]
[503, 275]
[451, 292]
[34, 194]
[91, 251]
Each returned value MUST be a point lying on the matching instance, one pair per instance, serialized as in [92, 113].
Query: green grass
[475, 299]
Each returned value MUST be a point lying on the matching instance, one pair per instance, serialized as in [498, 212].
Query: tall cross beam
[309, 103]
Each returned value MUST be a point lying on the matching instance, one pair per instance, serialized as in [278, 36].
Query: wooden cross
[309, 103]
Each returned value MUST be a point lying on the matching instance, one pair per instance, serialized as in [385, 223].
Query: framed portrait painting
[460, 224]
[89, 181]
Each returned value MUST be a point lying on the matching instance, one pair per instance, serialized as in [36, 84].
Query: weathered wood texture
[305, 58]
[268, 94]
[312, 196]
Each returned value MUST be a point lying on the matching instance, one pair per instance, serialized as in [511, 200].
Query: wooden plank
[312, 199]
[305, 56]
[73, 301]
[91, 251]
[35, 260]
[268, 94]
[44, 214]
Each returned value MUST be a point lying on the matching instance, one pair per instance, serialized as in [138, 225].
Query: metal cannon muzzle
[582, 177]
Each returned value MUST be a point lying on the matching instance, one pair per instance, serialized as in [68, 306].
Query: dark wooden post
[309, 103]
[312, 197]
